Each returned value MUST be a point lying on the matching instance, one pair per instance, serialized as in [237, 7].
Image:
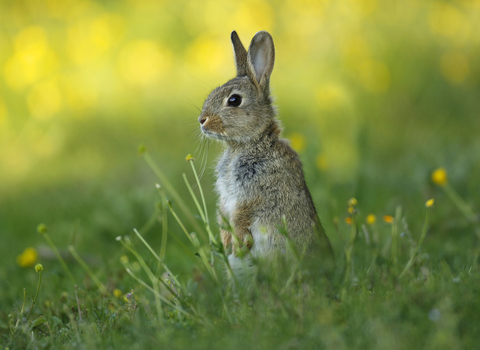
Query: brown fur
[225, 234]
[260, 179]
[214, 124]
[240, 55]
[242, 219]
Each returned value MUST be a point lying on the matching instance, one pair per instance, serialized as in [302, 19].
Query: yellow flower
[39, 268]
[297, 140]
[348, 220]
[142, 149]
[351, 210]
[439, 177]
[352, 202]
[189, 158]
[117, 293]
[388, 219]
[27, 258]
[42, 228]
[371, 219]
[429, 203]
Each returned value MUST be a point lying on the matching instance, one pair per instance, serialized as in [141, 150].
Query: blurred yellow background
[82, 82]
[373, 94]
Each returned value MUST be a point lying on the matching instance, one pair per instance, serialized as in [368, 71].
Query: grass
[374, 95]
[392, 287]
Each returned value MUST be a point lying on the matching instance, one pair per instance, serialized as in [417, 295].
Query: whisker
[205, 164]
[200, 149]
[198, 142]
[190, 102]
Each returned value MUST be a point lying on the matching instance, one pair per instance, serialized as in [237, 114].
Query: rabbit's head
[241, 109]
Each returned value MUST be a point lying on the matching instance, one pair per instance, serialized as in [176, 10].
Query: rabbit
[260, 180]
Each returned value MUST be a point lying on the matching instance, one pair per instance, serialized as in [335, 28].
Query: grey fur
[259, 176]
[240, 55]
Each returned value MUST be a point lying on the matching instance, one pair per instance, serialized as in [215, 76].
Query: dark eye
[234, 100]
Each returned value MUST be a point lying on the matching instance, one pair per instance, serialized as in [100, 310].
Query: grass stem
[203, 214]
[460, 203]
[163, 247]
[36, 295]
[59, 257]
[128, 244]
[201, 193]
[147, 245]
[89, 271]
[165, 300]
[194, 240]
[417, 249]
[348, 256]
[170, 189]
[398, 216]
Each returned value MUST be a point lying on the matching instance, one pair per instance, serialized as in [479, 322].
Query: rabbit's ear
[261, 57]
[241, 60]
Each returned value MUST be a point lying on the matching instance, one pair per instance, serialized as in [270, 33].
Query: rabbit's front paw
[243, 245]
[248, 241]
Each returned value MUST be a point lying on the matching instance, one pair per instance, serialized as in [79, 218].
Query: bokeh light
[82, 83]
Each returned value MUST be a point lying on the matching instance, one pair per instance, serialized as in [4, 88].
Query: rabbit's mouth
[214, 135]
[212, 126]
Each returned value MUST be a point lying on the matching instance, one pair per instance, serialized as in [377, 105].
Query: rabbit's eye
[234, 100]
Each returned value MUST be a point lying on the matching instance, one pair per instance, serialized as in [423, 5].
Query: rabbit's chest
[236, 182]
[226, 190]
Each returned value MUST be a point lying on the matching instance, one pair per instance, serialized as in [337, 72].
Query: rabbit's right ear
[241, 58]
[261, 57]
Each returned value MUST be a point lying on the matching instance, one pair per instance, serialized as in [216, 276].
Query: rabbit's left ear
[241, 61]
[261, 57]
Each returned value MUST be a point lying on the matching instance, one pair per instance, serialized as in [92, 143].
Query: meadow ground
[380, 99]
[434, 304]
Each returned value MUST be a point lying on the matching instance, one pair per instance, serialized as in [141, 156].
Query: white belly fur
[243, 269]
[259, 232]
[226, 197]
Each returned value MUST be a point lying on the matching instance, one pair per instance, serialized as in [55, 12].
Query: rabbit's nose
[202, 119]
